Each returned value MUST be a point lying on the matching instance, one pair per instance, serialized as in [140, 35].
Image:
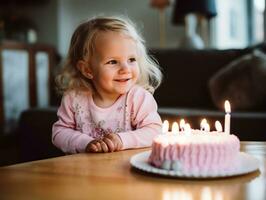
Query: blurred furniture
[185, 93]
[25, 80]
[195, 15]
[16, 27]
[34, 134]
[161, 5]
[80, 176]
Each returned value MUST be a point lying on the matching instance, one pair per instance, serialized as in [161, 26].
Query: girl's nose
[124, 66]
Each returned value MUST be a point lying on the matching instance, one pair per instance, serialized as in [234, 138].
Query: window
[258, 21]
[25, 80]
[239, 23]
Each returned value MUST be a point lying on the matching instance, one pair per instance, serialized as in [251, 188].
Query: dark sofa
[34, 134]
[184, 93]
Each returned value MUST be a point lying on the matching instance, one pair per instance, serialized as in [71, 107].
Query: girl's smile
[114, 66]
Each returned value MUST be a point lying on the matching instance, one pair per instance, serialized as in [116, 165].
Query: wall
[57, 19]
[71, 13]
[231, 24]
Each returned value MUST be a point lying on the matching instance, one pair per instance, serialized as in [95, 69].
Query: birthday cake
[200, 151]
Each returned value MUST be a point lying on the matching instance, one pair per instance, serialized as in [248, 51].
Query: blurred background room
[191, 39]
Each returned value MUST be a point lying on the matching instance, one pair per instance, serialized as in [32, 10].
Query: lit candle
[175, 128]
[227, 117]
[165, 127]
[202, 124]
[182, 124]
[187, 129]
[218, 126]
[206, 127]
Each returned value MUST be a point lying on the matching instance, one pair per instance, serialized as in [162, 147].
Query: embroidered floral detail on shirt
[109, 130]
[118, 130]
[79, 123]
[97, 125]
[120, 109]
[78, 112]
[99, 131]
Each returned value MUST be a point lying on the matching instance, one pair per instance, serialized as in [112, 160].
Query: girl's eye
[112, 62]
[132, 59]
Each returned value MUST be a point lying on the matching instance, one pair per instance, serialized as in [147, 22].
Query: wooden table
[110, 176]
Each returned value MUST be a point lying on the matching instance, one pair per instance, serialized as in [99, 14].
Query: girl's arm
[64, 133]
[144, 117]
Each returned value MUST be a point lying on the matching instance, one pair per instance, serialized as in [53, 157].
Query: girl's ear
[84, 68]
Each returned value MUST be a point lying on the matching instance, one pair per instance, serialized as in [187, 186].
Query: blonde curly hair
[83, 44]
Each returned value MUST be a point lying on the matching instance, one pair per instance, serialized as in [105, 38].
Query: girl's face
[114, 65]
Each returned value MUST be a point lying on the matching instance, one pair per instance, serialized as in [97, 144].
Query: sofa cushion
[241, 82]
[186, 75]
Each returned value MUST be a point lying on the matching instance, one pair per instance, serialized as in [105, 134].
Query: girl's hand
[97, 146]
[113, 142]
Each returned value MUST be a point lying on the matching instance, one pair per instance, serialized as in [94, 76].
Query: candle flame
[218, 126]
[202, 123]
[165, 127]
[227, 106]
[175, 128]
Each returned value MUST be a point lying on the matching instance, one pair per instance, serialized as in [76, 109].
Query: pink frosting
[199, 151]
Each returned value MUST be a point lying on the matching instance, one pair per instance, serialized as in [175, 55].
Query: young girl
[106, 81]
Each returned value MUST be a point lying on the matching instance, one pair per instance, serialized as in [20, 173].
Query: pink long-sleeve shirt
[133, 117]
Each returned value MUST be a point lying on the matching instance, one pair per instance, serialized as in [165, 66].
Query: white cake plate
[247, 164]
